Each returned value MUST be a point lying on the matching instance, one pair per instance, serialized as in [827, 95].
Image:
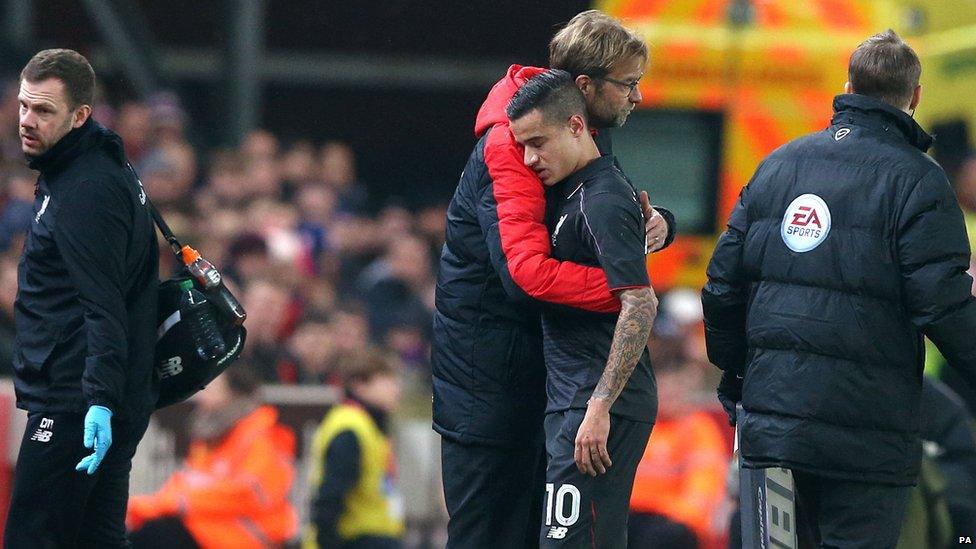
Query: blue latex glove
[98, 433]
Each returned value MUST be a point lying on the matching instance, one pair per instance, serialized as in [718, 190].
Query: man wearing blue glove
[85, 316]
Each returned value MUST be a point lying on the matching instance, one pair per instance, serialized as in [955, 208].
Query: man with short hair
[843, 251]
[486, 356]
[85, 316]
[599, 379]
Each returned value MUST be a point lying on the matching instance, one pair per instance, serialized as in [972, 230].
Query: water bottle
[197, 312]
[213, 285]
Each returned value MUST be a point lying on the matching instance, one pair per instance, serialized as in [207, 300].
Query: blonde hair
[593, 43]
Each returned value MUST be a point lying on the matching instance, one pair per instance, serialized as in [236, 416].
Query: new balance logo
[44, 433]
[170, 367]
[557, 532]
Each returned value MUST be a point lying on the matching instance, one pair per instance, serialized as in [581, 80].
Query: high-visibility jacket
[370, 507]
[233, 494]
[682, 473]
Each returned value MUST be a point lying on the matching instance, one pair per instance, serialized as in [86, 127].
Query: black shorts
[585, 511]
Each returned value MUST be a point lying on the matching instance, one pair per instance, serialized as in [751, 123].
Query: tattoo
[638, 308]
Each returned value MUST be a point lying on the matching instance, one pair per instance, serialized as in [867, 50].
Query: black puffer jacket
[845, 248]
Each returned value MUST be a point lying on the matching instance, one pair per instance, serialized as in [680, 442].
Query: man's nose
[28, 120]
[530, 158]
[635, 96]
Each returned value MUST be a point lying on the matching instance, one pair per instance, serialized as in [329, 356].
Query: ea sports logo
[806, 223]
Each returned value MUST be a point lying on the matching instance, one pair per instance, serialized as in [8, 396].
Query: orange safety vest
[235, 494]
[682, 473]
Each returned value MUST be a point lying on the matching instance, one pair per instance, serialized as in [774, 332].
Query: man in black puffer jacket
[846, 247]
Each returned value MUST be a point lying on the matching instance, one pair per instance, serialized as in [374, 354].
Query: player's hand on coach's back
[655, 227]
[98, 433]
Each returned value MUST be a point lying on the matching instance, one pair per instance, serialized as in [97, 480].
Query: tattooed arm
[638, 307]
[637, 312]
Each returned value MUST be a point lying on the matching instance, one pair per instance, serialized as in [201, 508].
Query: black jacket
[822, 301]
[87, 283]
[486, 353]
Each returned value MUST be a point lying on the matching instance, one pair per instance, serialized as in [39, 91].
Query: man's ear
[916, 97]
[848, 88]
[586, 85]
[577, 125]
[81, 115]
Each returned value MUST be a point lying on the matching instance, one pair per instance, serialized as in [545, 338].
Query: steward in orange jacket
[679, 488]
[233, 489]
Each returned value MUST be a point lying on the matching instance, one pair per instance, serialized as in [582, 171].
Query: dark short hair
[885, 67]
[553, 92]
[68, 66]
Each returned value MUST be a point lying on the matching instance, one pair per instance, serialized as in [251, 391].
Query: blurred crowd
[319, 264]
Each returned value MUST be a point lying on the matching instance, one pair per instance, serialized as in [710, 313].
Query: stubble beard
[63, 131]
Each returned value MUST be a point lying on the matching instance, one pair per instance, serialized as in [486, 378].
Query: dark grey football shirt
[594, 218]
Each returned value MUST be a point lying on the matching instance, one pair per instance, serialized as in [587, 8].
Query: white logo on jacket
[142, 192]
[841, 134]
[806, 223]
[558, 225]
[37, 218]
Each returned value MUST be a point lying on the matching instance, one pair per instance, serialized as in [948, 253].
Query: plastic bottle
[209, 278]
[197, 312]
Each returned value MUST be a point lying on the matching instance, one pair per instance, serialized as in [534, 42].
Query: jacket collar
[575, 180]
[862, 110]
[89, 135]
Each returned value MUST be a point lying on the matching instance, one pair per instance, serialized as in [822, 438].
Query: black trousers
[839, 514]
[583, 511]
[493, 495]
[53, 505]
